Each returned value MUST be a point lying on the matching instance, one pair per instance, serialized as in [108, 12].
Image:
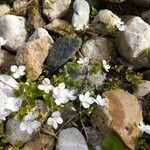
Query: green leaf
[112, 143]
[94, 11]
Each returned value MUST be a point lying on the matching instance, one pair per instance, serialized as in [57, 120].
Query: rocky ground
[75, 74]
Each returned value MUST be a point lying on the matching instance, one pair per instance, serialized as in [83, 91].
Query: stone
[35, 19]
[33, 55]
[143, 88]
[15, 135]
[93, 138]
[55, 8]
[147, 75]
[115, 1]
[145, 3]
[122, 116]
[58, 26]
[13, 29]
[39, 33]
[19, 4]
[44, 141]
[134, 42]
[71, 139]
[94, 3]
[64, 48]
[6, 60]
[4, 9]
[81, 14]
[97, 49]
[146, 16]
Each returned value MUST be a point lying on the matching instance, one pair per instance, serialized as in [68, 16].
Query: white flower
[46, 86]
[121, 26]
[2, 41]
[105, 65]
[83, 61]
[144, 128]
[17, 71]
[55, 119]
[71, 94]
[100, 101]
[86, 100]
[29, 124]
[60, 94]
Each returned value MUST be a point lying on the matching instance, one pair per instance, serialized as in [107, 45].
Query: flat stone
[55, 8]
[134, 41]
[4, 9]
[122, 115]
[13, 29]
[62, 51]
[81, 14]
[71, 139]
[33, 55]
[46, 142]
[143, 88]
[15, 135]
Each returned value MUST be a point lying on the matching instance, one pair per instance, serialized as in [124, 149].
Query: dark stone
[63, 50]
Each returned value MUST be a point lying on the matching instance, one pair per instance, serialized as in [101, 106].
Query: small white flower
[121, 26]
[29, 124]
[46, 86]
[144, 128]
[105, 65]
[2, 41]
[55, 119]
[100, 101]
[60, 94]
[83, 61]
[17, 71]
[71, 94]
[86, 100]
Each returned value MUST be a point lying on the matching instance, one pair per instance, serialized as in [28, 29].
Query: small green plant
[94, 11]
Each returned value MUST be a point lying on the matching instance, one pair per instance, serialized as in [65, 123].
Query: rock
[97, 49]
[143, 88]
[146, 16]
[145, 3]
[4, 9]
[39, 33]
[13, 29]
[58, 26]
[81, 14]
[93, 138]
[116, 1]
[94, 3]
[15, 135]
[147, 75]
[122, 115]
[134, 42]
[46, 142]
[20, 4]
[35, 19]
[63, 50]
[6, 60]
[55, 8]
[71, 139]
[33, 55]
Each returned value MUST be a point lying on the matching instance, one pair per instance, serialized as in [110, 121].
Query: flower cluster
[144, 128]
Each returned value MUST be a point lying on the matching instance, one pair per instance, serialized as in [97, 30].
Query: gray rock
[4, 9]
[81, 14]
[38, 33]
[94, 3]
[13, 29]
[146, 16]
[15, 135]
[6, 60]
[55, 8]
[147, 75]
[97, 49]
[93, 138]
[143, 88]
[62, 51]
[145, 3]
[71, 139]
[134, 42]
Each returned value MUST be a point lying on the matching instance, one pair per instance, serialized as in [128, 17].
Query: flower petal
[61, 85]
[13, 68]
[23, 126]
[59, 120]
[41, 87]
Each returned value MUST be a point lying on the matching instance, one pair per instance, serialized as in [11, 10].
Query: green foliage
[112, 143]
[143, 145]
[148, 54]
[94, 11]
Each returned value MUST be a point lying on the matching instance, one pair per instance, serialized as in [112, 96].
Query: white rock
[4, 9]
[55, 8]
[80, 17]
[71, 139]
[13, 29]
